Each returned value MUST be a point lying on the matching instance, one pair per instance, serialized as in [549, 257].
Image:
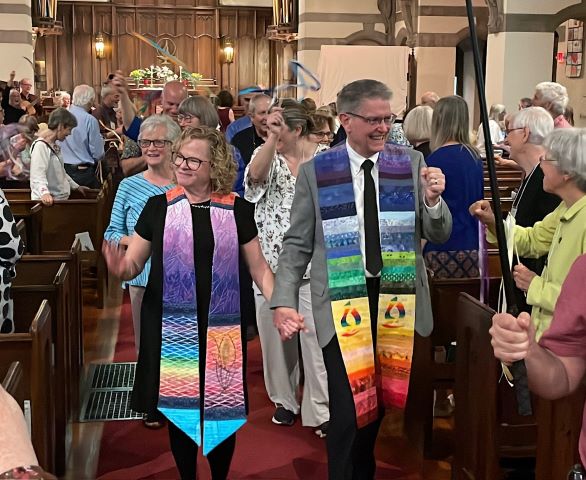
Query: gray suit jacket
[304, 242]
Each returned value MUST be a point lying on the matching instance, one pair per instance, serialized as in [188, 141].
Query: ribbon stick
[165, 53]
[518, 368]
[306, 80]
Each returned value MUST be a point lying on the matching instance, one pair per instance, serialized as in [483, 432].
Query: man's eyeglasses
[375, 121]
[191, 162]
[157, 143]
[186, 116]
[509, 130]
[328, 135]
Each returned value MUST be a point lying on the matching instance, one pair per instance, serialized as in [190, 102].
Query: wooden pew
[31, 212]
[487, 425]
[17, 193]
[13, 378]
[62, 221]
[33, 284]
[21, 229]
[31, 346]
[426, 374]
[72, 259]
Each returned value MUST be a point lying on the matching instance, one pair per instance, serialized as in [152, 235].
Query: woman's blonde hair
[450, 123]
[417, 124]
[223, 167]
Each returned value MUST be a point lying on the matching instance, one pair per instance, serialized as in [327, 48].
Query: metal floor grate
[108, 396]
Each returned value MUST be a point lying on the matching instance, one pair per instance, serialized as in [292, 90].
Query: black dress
[532, 204]
[150, 226]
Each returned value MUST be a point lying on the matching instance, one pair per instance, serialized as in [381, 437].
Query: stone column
[515, 63]
[16, 39]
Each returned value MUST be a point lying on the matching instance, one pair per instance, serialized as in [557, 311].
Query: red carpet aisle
[264, 451]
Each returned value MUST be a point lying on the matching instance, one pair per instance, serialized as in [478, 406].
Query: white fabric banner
[342, 64]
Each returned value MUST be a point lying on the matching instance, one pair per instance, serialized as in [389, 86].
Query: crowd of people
[293, 216]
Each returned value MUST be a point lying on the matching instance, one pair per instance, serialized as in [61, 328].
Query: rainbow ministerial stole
[179, 388]
[347, 281]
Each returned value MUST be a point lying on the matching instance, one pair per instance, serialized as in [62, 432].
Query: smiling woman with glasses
[197, 111]
[157, 133]
[322, 130]
[196, 233]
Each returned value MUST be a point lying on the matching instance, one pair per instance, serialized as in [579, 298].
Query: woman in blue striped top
[156, 137]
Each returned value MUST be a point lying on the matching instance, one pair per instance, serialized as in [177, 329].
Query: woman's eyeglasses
[186, 116]
[157, 143]
[328, 135]
[191, 162]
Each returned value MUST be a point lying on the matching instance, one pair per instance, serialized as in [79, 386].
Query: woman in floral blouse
[270, 183]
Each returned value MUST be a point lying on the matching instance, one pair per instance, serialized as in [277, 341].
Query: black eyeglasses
[191, 162]
[143, 143]
[375, 121]
[328, 135]
[509, 130]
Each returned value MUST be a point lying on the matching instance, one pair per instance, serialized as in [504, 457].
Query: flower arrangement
[158, 74]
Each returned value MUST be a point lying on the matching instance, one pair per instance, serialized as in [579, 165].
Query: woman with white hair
[417, 128]
[156, 137]
[561, 234]
[525, 134]
[496, 119]
[554, 98]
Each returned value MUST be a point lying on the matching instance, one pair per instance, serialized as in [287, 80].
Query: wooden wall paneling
[206, 55]
[126, 44]
[64, 50]
[228, 27]
[146, 25]
[83, 41]
[103, 24]
[185, 41]
[262, 62]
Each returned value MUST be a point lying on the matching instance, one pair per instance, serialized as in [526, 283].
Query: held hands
[288, 322]
[434, 183]
[523, 277]
[119, 82]
[512, 337]
[483, 212]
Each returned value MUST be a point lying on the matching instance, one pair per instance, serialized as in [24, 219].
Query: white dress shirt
[356, 161]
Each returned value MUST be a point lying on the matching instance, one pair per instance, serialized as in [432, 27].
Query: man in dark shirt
[11, 104]
[26, 84]
[249, 139]
[105, 113]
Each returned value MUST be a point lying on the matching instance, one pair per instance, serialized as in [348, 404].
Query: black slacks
[350, 449]
[184, 451]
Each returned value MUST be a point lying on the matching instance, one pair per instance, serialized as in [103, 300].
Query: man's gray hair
[107, 90]
[83, 96]
[536, 119]
[555, 94]
[351, 96]
[172, 130]
[567, 147]
[254, 101]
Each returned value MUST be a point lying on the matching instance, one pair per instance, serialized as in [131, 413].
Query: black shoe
[282, 416]
[154, 420]
[322, 430]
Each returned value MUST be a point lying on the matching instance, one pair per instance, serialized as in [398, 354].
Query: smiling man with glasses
[359, 213]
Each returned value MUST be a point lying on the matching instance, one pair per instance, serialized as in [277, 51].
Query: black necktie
[374, 261]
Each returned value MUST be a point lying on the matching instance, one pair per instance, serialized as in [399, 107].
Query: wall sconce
[228, 50]
[100, 47]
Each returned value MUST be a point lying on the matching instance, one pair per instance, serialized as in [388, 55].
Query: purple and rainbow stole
[347, 282]
[179, 388]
